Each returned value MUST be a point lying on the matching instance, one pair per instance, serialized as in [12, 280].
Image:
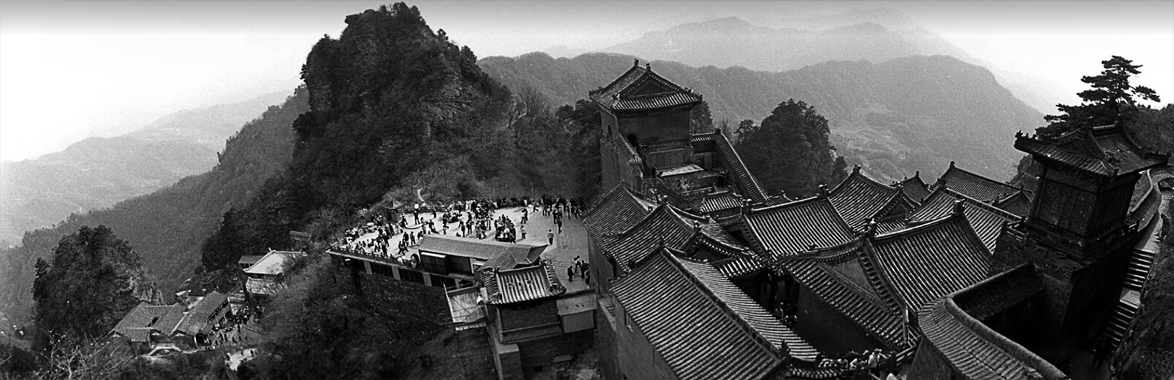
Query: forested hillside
[895, 117]
[396, 108]
[99, 172]
[166, 227]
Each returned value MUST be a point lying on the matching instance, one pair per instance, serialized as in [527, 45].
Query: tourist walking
[550, 237]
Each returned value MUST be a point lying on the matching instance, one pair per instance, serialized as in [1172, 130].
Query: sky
[76, 69]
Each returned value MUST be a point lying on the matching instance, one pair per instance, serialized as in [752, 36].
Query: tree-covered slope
[167, 226]
[99, 172]
[896, 117]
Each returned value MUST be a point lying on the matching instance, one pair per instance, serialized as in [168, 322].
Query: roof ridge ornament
[959, 207]
[823, 190]
[870, 229]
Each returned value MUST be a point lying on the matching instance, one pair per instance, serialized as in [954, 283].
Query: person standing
[570, 273]
[550, 237]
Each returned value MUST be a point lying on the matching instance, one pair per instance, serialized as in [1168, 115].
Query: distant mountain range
[98, 172]
[794, 40]
[896, 117]
[168, 226]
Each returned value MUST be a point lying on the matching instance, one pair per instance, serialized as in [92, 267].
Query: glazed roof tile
[521, 284]
[795, 226]
[665, 223]
[718, 202]
[816, 272]
[1018, 204]
[974, 185]
[914, 187]
[641, 89]
[986, 220]
[726, 336]
[739, 266]
[616, 212]
[859, 198]
[974, 350]
[930, 261]
[1104, 150]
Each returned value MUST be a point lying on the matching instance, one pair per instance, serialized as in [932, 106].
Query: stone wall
[538, 355]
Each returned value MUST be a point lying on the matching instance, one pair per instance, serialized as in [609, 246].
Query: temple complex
[702, 275]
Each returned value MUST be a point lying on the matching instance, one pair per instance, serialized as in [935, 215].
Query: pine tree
[1111, 100]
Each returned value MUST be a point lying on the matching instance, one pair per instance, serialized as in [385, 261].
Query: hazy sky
[69, 70]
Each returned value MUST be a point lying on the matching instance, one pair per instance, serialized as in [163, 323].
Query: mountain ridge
[98, 172]
[876, 116]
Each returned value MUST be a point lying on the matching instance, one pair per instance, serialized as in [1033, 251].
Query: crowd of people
[473, 219]
[867, 365]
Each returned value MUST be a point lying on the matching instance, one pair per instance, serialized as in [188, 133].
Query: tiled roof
[738, 266]
[725, 335]
[144, 318]
[976, 351]
[914, 187]
[272, 263]
[196, 319]
[986, 220]
[718, 202]
[641, 89]
[861, 305]
[974, 185]
[999, 293]
[746, 182]
[249, 259]
[665, 223]
[478, 248]
[1018, 204]
[929, 261]
[616, 212]
[859, 198]
[1105, 150]
[793, 227]
[521, 284]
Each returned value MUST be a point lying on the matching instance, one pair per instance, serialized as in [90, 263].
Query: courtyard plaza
[569, 244]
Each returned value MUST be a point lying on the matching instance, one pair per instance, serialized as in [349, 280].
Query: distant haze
[71, 70]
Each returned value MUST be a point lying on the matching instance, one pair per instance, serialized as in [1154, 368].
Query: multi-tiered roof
[641, 89]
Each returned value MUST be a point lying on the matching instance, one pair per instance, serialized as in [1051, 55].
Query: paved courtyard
[569, 244]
